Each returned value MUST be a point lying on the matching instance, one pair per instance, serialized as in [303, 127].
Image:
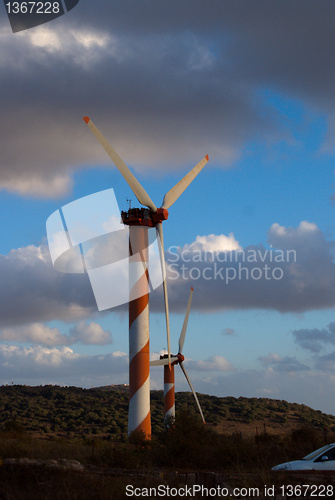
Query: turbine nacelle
[179, 356]
[144, 217]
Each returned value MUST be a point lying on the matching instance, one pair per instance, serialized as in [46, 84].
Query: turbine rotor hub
[180, 357]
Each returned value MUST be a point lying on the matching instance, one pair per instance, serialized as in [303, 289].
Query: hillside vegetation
[78, 412]
[243, 439]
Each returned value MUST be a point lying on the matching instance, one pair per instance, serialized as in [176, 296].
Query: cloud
[286, 237]
[279, 377]
[314, 388]
[297, 272]
[42, 356]
[62, 366]
[43, 365]
[90, 333]
[228, 331]
[285, 364]
[315, 339]
[212, 243]
[33, 292]
[213, 363]
[38, 333]
[200, 75]
[326, 363]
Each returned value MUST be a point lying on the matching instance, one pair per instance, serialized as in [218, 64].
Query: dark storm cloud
[314, 339]
[33, 291]
[296, 274]
[286, 364]
[166, 82]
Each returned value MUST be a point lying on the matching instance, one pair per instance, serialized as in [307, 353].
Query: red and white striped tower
[169, 389]
[169, 383]
[139, 352]
[169, 398]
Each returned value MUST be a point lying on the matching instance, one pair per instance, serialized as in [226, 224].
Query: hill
[74, 411]
[243, 439]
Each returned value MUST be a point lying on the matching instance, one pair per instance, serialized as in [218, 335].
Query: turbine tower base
[139, 352]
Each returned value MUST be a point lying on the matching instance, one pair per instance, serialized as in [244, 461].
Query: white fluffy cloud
[90, 333]
[214, 363]
[213, 243]
[281, 378]
[44, 365]
[11, 356]
[38, 333]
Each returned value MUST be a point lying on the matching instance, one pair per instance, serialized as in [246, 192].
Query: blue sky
[251, 87]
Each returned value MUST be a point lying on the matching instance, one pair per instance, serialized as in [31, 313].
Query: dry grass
[244, 457]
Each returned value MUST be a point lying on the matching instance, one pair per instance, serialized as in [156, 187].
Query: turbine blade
[133, 183]
[159, 229]
[174, 193]
[183, 330]
[192, 389]
[162, 362]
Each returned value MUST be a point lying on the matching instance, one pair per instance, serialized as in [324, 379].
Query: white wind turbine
[139, 220]
[169, 379]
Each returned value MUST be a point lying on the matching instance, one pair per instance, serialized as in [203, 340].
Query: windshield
[317, 452]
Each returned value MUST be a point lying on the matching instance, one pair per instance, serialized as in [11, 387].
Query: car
[320, 459]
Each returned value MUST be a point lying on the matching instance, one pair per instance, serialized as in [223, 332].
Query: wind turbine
[139, 220]
[169, 381]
